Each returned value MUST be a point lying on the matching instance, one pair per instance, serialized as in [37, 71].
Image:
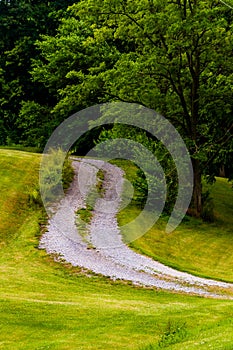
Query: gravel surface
[101, 249]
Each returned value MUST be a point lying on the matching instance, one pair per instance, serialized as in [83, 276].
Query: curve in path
[109, 256]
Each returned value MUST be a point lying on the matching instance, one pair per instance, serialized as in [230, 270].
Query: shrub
[53, 176]
[67, 173]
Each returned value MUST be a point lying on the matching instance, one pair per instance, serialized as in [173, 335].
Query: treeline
[22, 22]
[172, 56]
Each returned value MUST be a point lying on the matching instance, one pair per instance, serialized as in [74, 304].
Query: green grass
[23, 148]
[47, 305]
[18, 173]
[204, 249]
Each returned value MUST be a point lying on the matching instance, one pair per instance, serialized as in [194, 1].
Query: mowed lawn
[47, 305]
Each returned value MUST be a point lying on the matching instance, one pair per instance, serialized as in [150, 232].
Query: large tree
[171, 56]
[177, 60]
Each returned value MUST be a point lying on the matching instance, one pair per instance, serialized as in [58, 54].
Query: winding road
[101, 249]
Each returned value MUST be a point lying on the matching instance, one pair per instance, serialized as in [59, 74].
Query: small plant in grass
[149, 347]
[34, 197]
[173, 333]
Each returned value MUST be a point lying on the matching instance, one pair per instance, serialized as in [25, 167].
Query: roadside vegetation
[48, 305]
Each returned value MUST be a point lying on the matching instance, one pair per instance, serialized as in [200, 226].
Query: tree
[178, 61]
[172, 56]
[64, 62]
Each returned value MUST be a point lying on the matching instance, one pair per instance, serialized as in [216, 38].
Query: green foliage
[34, 123]
[21, 24]
[85, 214]
[65, 61]
[148, 347]
[53, 176]
[149, 150]
[173, 333]
[131, 170]
[67, 172]
[34, 197]
[174, 57]
[53, 173]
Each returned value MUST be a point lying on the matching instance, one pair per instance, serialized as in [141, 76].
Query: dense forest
[175, 57]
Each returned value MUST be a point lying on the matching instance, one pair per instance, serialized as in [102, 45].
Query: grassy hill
[203, 249]
[46, 305]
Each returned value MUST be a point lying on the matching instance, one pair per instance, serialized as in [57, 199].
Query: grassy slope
[201, 248]
[18, 172]
[45, 305]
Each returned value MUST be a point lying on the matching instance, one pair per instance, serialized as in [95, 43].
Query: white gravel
[108, 254]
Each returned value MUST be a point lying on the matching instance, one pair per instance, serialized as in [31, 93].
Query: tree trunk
[197, 189]
[222, 172]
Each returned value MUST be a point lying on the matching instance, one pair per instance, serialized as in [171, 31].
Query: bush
[54, 175]
[67, 173]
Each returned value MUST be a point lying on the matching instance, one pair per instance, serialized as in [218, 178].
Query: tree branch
[134, 21]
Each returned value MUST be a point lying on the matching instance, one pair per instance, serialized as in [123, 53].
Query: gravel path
[108, 255]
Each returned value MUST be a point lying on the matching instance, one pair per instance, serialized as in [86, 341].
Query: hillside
[204, 249]
[46, 305]
[18, 174]
[201, 248]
